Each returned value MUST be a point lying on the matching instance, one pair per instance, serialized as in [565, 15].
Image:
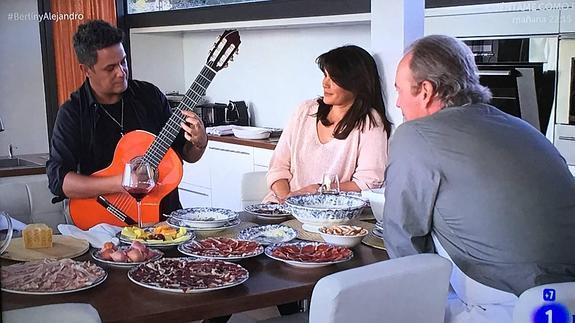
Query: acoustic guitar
[120, 208]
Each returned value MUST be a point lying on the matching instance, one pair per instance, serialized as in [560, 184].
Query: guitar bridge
[115, 211]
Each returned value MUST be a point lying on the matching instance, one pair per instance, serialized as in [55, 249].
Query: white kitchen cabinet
[215, 180]
[198, 173]
[262, 159]
[228, 162]
[194, 196]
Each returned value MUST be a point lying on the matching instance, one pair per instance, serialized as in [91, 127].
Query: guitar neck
[164, 140]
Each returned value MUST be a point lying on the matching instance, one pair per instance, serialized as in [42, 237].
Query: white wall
[158, 58]
[274, 71]
[22, 102]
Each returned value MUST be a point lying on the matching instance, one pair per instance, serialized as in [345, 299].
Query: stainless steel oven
[566, 80]
[565, 121]
[520, 72]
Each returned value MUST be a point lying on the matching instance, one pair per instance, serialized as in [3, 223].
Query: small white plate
[268, 234]
[251, 132]
[204, 217]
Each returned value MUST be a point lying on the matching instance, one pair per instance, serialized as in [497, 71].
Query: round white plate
[204, 217]
[265, 210]
[155, 243]
[96, 255]
[178, 223]
[269, 249]
[268, 234]
[182, 249]
[251, 132]
[189, 290]
[96, 283]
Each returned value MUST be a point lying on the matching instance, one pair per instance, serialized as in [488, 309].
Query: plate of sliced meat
[50, 276]
[308, 254]
[222, 248]
[188, 275]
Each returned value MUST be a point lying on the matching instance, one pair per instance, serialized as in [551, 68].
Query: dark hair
[449, 65]
[354, 69]
[93, 36]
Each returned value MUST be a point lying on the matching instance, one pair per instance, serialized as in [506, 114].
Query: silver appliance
[565, 121]
[520, 72]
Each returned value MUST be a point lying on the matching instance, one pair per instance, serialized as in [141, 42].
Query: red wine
[137, 192]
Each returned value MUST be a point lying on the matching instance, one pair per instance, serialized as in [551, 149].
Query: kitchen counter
[42, 158]
[26, 170]
[269, 143]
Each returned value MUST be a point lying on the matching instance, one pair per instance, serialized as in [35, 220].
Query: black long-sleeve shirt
[85, 137]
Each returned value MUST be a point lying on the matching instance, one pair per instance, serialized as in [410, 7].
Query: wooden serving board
[62, 247]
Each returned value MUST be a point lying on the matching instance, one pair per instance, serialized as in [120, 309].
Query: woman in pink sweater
[344, 132]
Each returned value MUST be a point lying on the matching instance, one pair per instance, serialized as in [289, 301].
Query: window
[141, 6]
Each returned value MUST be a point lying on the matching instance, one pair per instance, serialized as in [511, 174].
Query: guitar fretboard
[164, 140]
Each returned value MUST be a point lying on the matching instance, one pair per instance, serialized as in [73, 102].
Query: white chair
[532, 299]
[254, 188]
[57, 313]
[408, 289]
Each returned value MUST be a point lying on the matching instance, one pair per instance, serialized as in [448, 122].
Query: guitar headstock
[224, 49]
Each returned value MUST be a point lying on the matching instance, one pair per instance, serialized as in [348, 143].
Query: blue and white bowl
[324, 209]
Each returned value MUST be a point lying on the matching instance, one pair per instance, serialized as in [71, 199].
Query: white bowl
[377, 201]
[342, 240]
[317, 210]
[251, 132]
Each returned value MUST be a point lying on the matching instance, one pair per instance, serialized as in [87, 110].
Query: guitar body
[88, 212]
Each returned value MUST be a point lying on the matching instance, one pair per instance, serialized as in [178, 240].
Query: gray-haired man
[495, 194]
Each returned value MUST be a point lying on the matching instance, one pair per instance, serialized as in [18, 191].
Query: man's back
[494, 190]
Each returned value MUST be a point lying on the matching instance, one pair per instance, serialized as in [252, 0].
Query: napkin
[219, 130]
[96, 235]
[16, 225]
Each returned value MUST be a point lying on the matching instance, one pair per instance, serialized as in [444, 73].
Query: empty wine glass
[329, 184]
[138, 180]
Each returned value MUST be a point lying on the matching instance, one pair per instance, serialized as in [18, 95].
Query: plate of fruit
[126, 256]
[161, 235]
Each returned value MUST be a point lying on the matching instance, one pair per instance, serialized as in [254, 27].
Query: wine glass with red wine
[138, 180]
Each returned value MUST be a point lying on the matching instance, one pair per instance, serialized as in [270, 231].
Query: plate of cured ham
[188, 275]
[308, 254]
[50, 277]
[222, 248]
[125, 256]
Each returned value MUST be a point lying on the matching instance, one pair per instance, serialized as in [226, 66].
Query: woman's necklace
[121, 123]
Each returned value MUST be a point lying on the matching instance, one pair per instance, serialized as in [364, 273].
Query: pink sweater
[302, 159]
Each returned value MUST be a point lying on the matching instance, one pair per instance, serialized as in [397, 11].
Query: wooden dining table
[270, 282]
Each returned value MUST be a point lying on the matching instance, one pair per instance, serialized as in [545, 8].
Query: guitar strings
[157, 150]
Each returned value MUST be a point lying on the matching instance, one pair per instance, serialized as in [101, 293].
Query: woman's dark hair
[354, 69]
[93, 36]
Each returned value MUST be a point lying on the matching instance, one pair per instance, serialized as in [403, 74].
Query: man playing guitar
[106, 107]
